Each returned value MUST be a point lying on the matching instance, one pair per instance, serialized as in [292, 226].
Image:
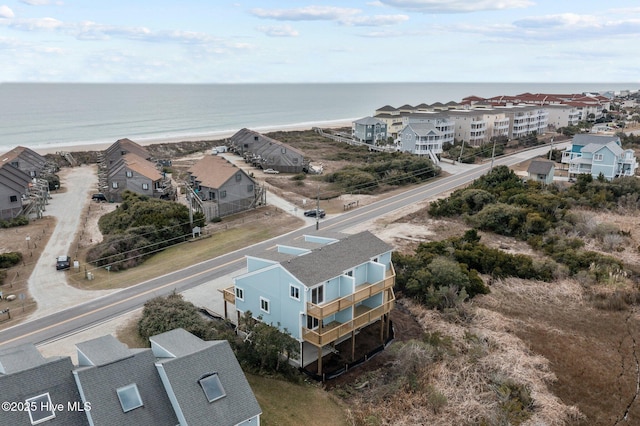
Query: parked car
[271, 171]
[312, 213]
[99, 197]
[63, 262]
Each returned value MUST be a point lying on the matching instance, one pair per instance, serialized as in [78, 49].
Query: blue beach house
[322, 290]
[597, 154]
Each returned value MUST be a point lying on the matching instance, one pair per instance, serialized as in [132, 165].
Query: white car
[271, 171]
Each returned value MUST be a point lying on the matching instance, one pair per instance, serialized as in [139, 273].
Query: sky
[287, 41]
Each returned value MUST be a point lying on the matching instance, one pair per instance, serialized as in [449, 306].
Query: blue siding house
[321, 290]
[595, 155]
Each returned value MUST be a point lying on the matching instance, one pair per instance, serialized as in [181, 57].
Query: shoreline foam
[217, 135]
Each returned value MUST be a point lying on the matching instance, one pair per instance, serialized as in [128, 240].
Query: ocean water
[60, 115]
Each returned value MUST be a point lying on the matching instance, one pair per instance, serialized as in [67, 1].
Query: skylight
[40, 408]
[212, 387]
[129, 397]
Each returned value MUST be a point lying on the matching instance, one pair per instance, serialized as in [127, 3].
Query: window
[239, 293]
[212, 387]
[40, 408]
[349, 273]
[32, 173]
[317, 295]
[598, 157]
[129, 173]
[223, 194]
[145, 186]
[264, 304]
[129, 397]
[312, 323]
[13, 198]
[294, 292]
[238, 177]
[250, 188]
[114, 185]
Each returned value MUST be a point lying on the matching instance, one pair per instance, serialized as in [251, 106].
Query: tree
[162, 314]
[265, 347]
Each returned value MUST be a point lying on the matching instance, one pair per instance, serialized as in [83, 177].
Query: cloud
[374, 21]
[279, 31]
[344, 16]
[38, 2]
[6, 12]
[457, 6]
[309, 13]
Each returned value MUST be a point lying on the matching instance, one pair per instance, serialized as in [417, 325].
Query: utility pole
[187, 189]
[493, 154]
[318, 209]
[461, 149]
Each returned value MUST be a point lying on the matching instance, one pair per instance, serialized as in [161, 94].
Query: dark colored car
[63, 262]
[99, 197]
[312, 213]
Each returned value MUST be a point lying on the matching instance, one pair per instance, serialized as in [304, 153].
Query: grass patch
[183, 255]
[285, 403]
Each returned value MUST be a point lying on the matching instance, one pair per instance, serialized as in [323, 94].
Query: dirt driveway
[47, 286]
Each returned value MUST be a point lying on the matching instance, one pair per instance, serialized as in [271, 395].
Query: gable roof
[331, 260]
[141, 166]
[540, 167]
[118, 368]
[422, 129]
[181, 375]
[213, 171]
[125, 146]
[14, 178]
[369, 121]
[50, 376]
[612, 146]
[28, 155]
[102, 350]
[586, 139]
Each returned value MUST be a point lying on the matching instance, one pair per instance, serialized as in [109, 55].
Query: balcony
[361, 293]
[363, 315]
[229, 294]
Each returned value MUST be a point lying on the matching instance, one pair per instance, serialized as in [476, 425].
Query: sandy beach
[195, 137]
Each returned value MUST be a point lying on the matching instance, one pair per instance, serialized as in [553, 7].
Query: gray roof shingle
[332, 260]
[196, 361]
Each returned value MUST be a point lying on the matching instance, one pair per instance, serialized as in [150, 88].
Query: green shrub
[7, 260]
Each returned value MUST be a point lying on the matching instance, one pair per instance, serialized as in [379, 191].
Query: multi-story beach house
[526, 120]
[20, 194]
[562, 116]
[26, 160]
[267, 153]
[181, 380]
[425, 134]
[133, 173]
[597, 154]
[220, 188]
[479, 125]
[320, 289]
[126, 165]
[369, 130]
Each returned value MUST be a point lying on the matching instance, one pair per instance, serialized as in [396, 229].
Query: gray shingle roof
[540, 167]
[202, 358]
[334, 259]
[102, 350]
[99, 385]
[53, 377]
[20, 358]
[594, 147]
[586, 139]
[368, 121]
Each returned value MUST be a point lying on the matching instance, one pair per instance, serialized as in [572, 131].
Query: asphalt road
[104, 308]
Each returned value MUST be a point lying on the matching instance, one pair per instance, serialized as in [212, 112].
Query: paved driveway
[47, 286]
